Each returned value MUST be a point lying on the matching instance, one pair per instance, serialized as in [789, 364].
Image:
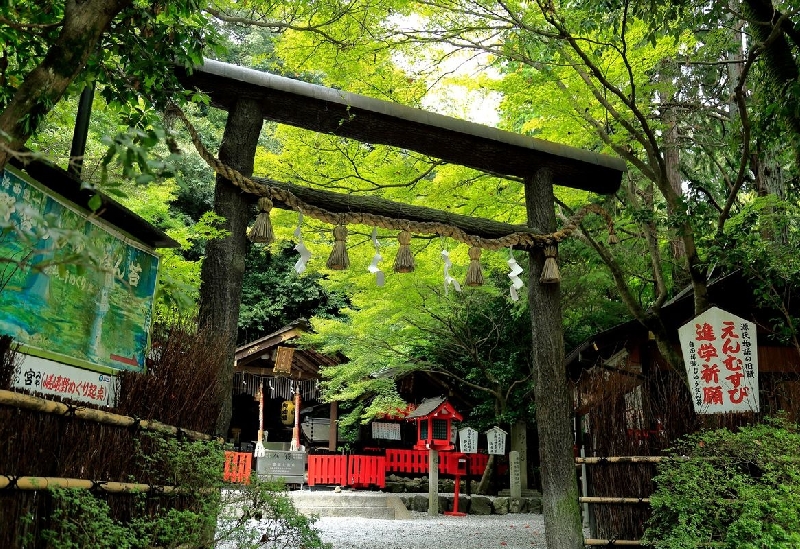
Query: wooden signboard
[283, 360]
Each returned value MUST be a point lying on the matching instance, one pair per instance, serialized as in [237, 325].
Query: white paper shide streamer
[516, 281]
[448, 280]
[380, 278]
[305, 255]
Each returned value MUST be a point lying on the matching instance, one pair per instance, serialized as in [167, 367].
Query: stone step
[526, 493]
[349, 504]
[386, 513]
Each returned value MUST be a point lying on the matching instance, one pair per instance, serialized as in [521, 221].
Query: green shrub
[730, 490]
[260, 515]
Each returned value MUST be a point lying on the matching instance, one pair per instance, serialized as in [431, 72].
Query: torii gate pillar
[222, 271]
[553, 403]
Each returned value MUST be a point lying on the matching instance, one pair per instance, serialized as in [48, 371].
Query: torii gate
[251, 96]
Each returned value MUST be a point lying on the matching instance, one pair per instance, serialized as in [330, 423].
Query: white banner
[53, 378]
[721, 358]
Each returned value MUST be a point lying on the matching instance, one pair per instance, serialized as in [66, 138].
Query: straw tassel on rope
[550, 273]
[338, 259]
[613, 239]
[404, 262]
[261, 231]
[474, 274]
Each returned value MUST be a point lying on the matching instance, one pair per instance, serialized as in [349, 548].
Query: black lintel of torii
[375, 121]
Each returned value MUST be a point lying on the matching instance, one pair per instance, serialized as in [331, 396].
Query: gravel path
[422, 531]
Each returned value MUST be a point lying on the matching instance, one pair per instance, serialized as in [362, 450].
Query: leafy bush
[730, 490]
[260, 515]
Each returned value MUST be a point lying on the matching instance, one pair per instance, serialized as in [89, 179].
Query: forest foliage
[692, 97]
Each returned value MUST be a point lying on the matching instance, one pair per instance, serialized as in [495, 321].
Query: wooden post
[560, 506]
[295, 446]
[333, 429]
[223, 268]
[433, 482]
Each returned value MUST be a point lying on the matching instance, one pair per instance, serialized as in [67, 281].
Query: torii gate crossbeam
[328, 110]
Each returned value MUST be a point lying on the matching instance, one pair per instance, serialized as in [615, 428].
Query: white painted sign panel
[468, 440]
[496, 440]
[385, 430]
[48, 377]
[721, 357]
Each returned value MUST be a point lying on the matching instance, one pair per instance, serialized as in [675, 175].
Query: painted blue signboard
[71, 289]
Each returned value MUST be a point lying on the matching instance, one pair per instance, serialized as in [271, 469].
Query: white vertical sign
[496, 440]
[721, 357]
[468, 440]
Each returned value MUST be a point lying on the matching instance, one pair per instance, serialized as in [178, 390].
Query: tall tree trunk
[672, 158]
[223, 268]
[83, 23]
[562, 514]
[486, 477]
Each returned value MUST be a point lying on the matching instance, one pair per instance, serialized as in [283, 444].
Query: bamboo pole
[618, 459]
[613, 542]
[611, 499]
[29, 402]
[12, 482]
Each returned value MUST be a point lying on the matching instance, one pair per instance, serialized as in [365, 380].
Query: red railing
[327, 469]
[476, 463]
[416, 461]
[363, 471]
[407, 461]
[237, 467]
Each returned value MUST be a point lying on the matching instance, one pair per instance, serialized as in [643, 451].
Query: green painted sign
[71, 288]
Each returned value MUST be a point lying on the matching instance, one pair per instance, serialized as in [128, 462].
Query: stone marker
[514, 471]
[433, 482]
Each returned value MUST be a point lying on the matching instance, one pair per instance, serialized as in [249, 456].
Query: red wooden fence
[364, 471]
[237, 467]
[416, 461]
[476, 463]
[327, 469]
[407, 461]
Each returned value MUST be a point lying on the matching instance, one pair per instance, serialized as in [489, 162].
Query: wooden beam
[350, 203]
[371, 120]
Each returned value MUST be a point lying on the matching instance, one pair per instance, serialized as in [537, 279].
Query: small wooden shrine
[434, 417]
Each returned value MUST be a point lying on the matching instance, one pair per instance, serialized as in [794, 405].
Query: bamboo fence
[29, 402]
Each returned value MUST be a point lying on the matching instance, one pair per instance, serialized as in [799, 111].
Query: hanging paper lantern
[261, 231]
[338, 259]
[474, 274]
[287, 412]
[404, 262]
[550, 273]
